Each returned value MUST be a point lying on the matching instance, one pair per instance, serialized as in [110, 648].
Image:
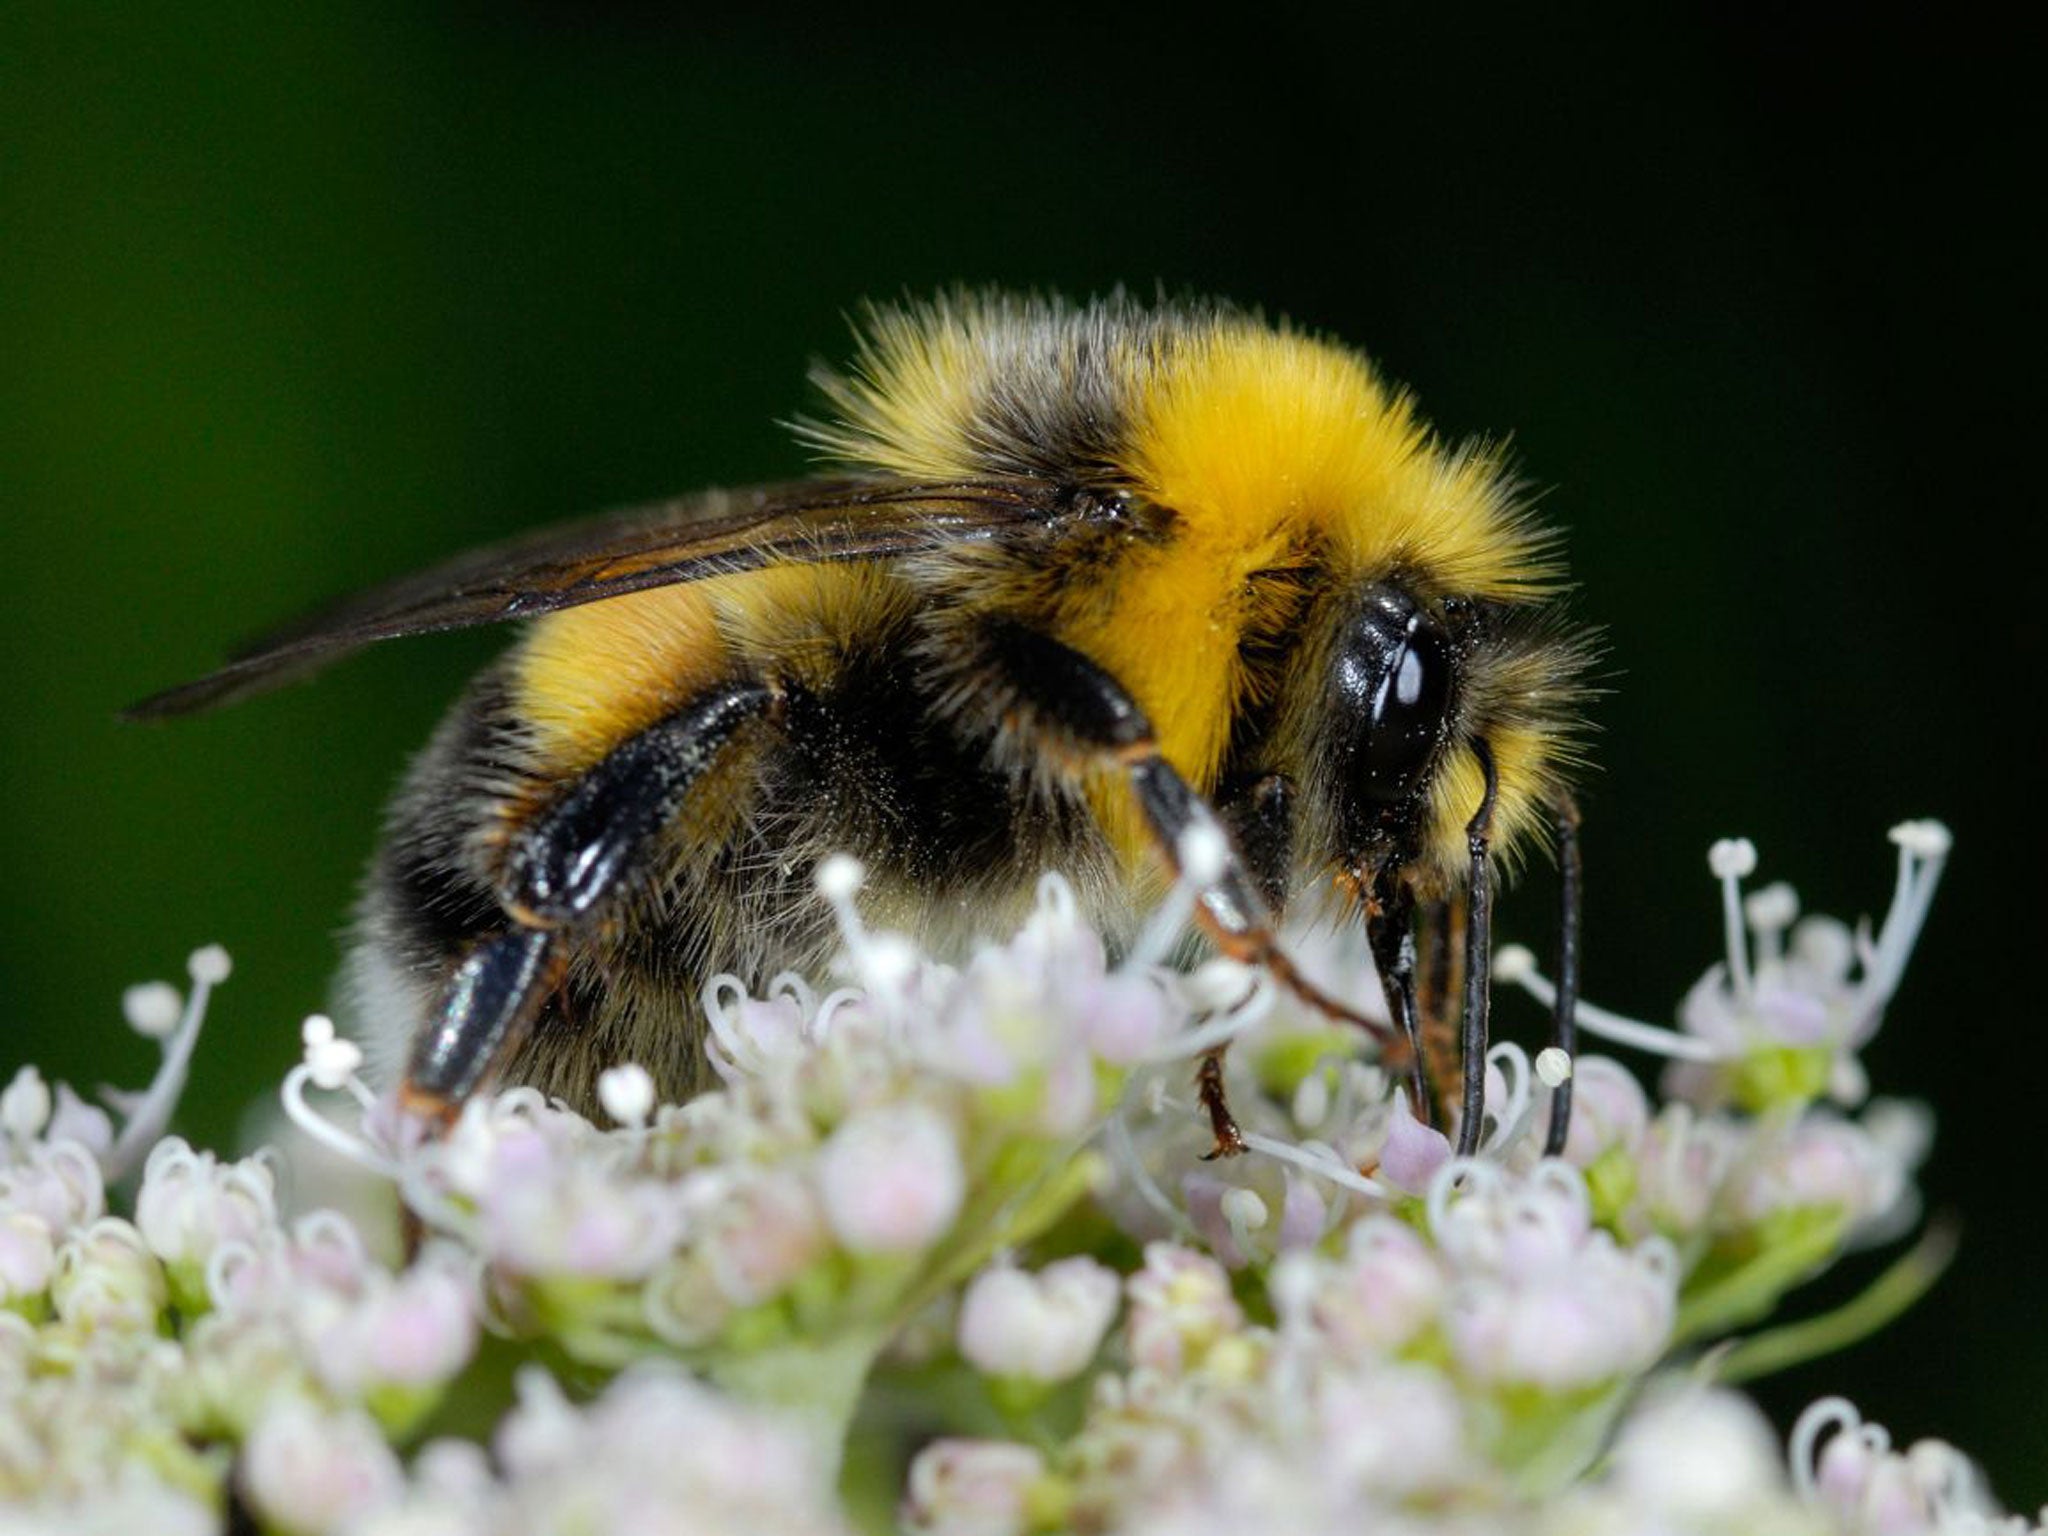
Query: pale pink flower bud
[59, 1181]
[1824, 1162]
[1682, 1167]
[971, 1488]
[1385, 1290]
[416, 1330]
[234, 1367]
[658, 1452]
[1413, 1151]
[1848, 1465]
[191, 1204]
[767, 1232]
[28, 1256]
[107, 1278]
[890, 1179]
[305, 1471]
[25, 1105]
[1067, 1103]
[1044, 1327]
[1609, 1109]
[1398, 1430]
[1180, 1305]
[548, 1212]
[1699, 1460]
[75, 1120]
[1126, 1018]
[1566, 1325]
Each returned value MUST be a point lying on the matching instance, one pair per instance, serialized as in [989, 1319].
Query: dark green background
[294, 298]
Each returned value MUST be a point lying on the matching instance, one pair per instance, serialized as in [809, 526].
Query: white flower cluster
[654, 1452]
[980, 1189]
[135, 1352]
[869, 1149]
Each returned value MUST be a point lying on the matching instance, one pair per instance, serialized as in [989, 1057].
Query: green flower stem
[1730, 1289]
[1901, 1285]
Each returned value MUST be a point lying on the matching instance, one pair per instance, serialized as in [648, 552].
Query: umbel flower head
[942, 1253]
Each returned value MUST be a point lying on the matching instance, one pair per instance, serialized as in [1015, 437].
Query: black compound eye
[1392, 677]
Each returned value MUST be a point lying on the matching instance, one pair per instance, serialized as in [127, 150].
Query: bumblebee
[1088, 580]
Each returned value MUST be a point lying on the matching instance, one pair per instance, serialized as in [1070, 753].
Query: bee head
[1390, 698]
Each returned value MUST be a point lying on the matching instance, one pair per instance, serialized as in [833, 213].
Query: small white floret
[1553, 1067]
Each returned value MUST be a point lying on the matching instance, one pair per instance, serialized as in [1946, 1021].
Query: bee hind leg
[563, 868]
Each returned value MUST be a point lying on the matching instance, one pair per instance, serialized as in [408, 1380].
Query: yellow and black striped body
[1249, 488]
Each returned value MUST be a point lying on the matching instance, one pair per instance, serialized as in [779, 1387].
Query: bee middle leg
[563, 869]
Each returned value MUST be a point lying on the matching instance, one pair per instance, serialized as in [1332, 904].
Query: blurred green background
[295, 298]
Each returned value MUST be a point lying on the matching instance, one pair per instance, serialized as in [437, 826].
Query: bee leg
[1066, 707]
[1440, 975]
[1478, 957]
[1259, 814]
[1228, 909]
[1564, 1032]
[1390, 923]
[1260, 817]
[1226, 1139]
[562, 868]
[493, 998]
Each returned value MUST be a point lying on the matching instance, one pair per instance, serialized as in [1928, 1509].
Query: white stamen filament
[1457, 1176]
[146, 1119]
[884, 961]
[1595, 1020]
[1923, 853]
[1248, 1011]
[1162, 929]
[732, 1057]
[1513, 1065]
[1821, 1417]
[1769, 913]
[1123, 1156]
[1730, 859]
[1318, 1159]
[331, 1136]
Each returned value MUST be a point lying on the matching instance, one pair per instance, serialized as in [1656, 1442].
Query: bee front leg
[563, 869]
[1390, 929]
[1051, 703]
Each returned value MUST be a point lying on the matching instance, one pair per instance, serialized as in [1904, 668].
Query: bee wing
[630, 550]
